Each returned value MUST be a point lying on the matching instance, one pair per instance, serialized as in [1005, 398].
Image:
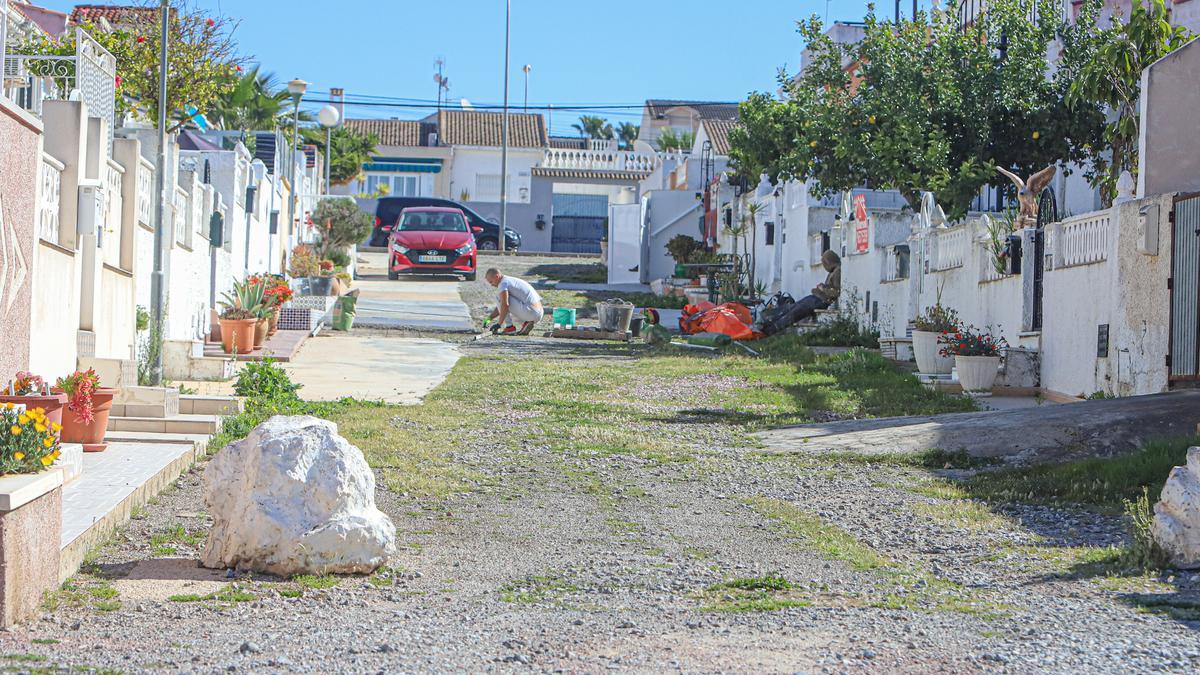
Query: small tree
[627, 133]
[341, 224]
[593, 126]
[1110, 74]
[351, 149]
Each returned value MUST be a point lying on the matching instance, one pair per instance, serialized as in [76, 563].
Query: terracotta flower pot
[273, 322]
[928, 353]
[90, 435]
[52, 404]
[260, 333]
[239, 333]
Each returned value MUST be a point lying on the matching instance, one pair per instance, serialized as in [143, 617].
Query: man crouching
[517, 302]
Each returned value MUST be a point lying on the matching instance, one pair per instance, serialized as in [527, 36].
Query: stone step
[156, 437]
[146, 402]
[180, 424]
[210, 405]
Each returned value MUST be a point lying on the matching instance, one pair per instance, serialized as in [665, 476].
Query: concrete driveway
[399, 371]
[425, 304]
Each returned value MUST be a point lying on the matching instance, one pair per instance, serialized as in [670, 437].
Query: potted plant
[976, 357]
[32, 392]
[277, 293]
[29, 441]
[88, 405]
[306, 265]
[928, 329]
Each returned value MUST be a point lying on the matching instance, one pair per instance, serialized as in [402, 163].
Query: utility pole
[157, 277]
[500, 240]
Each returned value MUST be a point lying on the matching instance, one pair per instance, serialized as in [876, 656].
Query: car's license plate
[431, 258]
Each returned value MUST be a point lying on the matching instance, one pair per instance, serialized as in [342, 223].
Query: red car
[432, 240]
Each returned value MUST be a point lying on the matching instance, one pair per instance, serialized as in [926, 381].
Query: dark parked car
[387, 214]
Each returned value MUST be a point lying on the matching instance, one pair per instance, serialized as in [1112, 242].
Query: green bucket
[564, 317]
[343, 312]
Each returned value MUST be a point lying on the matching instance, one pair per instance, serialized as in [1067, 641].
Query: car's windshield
[433, 221]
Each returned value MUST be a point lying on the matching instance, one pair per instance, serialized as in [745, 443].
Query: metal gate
[580, 222]
[1184, 349]
[1047, 213]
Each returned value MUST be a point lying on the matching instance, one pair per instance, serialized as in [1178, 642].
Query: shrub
[1143, 552]
[341, 224]
[842, 331]
[938, 319]
[970, 341]
[265, 379]
[304, 263]
[684, 249]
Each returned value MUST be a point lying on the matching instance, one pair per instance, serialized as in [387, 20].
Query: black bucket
[635, 326]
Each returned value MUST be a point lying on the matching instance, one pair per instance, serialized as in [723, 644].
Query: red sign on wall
[862, 230]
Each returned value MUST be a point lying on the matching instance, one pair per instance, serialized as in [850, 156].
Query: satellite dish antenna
[465, 104]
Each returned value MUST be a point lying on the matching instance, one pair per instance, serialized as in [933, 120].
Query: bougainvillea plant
[79, 387]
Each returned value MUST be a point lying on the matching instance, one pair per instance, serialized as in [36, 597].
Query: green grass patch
[44, 641]
[536, 589]
[751, 594]
[315, 582]
[772, 582]
[1100, 483]
[23, 658]
[574, 273]
[831, 541]
[291, 592]
[186, 597]
[107, 605]
[962, 514]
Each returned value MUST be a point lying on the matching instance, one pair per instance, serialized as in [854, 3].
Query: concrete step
[210, 405]
[146, 402]
[156, 437]
[180, 424]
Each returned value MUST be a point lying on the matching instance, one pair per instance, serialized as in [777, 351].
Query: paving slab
[393, 370]
[1086, 428]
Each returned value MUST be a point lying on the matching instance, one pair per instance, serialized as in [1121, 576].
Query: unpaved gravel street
[692, 552]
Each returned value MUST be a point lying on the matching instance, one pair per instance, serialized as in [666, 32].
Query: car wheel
[487, 245]
[393, 275]
[469, 277]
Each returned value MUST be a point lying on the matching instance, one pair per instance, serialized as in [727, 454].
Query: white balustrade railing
[895, 265]
[948, 249]
[114, 213]
[50, 199]
[1082, 240]
[987, 265]
[179, 210]
[600, 160]
[145, 193]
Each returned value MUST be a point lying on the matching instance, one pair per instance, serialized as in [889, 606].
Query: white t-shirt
[519, 292]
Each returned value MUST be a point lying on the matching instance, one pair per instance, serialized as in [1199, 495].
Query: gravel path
[614, 562]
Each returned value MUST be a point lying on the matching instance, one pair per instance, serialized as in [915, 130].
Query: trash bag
[344, 311]
[731, 319]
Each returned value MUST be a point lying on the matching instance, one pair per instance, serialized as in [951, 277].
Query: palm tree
[593, 126]
[628, 132]
[254, 103]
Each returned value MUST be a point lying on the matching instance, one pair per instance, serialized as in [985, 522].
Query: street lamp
[504, 134]
[527, 68]
[296, 88]
[158, 277]
[328, 117]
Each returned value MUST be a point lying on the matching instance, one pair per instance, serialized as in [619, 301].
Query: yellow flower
[23, 419]
[8, 406]
[41, 428]
[871, 119]
[813, 144]
[55, 427]
[46, 461]
[16, 430]
[48, 441]
[18, 456]
[38, 413]
[1037, 135]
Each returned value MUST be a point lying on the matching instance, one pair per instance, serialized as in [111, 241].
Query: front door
[1184, 359]
[1047, 213]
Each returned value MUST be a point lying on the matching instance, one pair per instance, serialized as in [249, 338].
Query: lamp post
[157, 276]
[500, 240]
[296, 88]
[527, 68]
[328, 117]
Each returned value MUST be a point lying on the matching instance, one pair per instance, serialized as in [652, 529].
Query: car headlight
[464, 249]
[402, 250]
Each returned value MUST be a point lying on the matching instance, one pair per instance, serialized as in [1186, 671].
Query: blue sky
[615, 52]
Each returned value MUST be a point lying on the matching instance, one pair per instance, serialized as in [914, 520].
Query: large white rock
[1177, 515]
[294, 497]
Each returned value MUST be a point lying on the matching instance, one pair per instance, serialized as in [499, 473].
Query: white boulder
[294, 497]
[1177, 515]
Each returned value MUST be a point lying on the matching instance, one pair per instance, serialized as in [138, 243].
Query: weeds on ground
[536, 589]
[575, 273]
[1143, 552]
[1101, 483]
[752, 594]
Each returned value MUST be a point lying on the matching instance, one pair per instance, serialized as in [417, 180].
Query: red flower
[118, 80]
[210, 23]
[141, 39]
[238, 68]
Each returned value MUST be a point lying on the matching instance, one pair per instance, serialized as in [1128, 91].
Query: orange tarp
[732, 319]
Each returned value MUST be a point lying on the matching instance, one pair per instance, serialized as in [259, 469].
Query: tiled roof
[718, 134]
[405, 133]
[114, 14]
[708, 110]
[589, 174]
[568, 143]
[51, 22]
[472, 127]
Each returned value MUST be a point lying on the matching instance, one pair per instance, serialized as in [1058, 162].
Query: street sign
[860, 208]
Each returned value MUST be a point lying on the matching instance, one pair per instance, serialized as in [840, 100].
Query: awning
[404, 165]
